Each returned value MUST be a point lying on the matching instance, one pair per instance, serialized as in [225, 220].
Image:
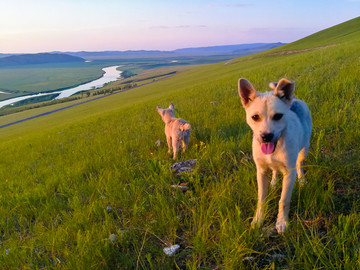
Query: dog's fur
[281, 126]
[177, 130]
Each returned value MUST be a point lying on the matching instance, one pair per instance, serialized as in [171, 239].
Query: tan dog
[281, 126]
[177, 130]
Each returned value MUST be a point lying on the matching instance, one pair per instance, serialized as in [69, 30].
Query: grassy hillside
[87, 187]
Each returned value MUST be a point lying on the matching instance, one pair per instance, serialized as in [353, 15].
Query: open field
[86, 188]
[45, 77]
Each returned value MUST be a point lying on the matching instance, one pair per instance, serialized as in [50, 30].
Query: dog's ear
[159, 110]
[171, 106]
[285, 90]
[247, 92]
[273, 85]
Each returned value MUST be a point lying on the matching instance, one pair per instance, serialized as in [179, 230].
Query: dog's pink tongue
[267, 148]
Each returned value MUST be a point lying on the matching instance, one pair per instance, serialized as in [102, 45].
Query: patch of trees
[110, 90]
[127, 74]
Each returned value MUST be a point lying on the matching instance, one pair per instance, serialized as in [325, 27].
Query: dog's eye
[277, 116]
[255, 117]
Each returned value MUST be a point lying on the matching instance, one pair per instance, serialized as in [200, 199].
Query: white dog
[281, 126]
[177, 130]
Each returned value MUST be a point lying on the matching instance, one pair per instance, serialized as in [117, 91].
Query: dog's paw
[281, 226]
[256, 223]
[302, 181]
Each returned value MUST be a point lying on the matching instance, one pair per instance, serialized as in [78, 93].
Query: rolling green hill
[38, 58]
[87, 187]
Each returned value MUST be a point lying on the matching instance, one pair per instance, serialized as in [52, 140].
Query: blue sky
[95, 25]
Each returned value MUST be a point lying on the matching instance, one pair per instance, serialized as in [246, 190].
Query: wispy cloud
[228, 5]
[178, 26]
[238, 5]
[191, 26]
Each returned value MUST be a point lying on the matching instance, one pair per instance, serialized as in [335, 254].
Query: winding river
[111, 74]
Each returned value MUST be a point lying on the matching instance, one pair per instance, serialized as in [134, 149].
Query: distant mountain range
[240, 49]
[62, 57]
[39, 58]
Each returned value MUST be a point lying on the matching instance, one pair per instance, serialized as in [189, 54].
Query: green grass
[72, 179]
[45, 77]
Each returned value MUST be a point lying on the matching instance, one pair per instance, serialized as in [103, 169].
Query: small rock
[182, 187]
[158, 143]
[171, 250]
[113, 237]
[183, 166]
[185, 169]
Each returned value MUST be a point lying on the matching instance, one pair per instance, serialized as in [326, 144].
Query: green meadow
[24, 80]
[87, 187]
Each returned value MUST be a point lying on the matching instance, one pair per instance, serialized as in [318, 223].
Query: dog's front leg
[263, 185]
[284, 204]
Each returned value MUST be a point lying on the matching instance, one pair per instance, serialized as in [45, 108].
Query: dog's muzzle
[267, 137]
[267, 145]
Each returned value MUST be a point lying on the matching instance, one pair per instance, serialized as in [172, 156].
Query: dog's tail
[185, 126]
[272, 85]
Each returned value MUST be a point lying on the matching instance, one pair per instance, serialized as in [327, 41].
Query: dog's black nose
[267, 137]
